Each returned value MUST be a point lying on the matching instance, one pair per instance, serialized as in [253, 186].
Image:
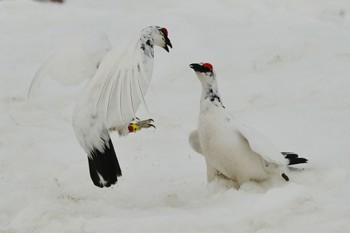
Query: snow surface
[282, 66]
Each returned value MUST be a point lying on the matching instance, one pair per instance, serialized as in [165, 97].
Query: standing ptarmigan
[231, 149]
[118, 81]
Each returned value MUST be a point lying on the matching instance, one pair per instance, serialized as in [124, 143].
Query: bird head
[160, 36]
[155, 35]
[206, 76]
[204, 72]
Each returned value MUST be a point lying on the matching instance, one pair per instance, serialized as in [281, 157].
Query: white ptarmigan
[231, 149]
[118, 81]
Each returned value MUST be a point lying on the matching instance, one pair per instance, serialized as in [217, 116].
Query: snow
[282, 67]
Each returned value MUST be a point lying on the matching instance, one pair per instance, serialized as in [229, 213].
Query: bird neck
[210, 95]
[147, 44]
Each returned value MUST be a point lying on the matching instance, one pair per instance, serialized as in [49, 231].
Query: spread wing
[260, 144]
[112, 97]
[75, 62]
[120, 84]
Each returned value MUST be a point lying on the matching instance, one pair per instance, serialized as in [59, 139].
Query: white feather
[117, 81]
[260, 144]
[231, 149]
[194, 142]
[118, 94]
[75, 62]
[113, 95]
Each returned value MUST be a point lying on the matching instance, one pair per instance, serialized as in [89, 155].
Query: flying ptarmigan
[231, 149]
[118, 81]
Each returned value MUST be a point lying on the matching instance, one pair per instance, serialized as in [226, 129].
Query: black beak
[167, 43]
[199, 68]
[196, 67]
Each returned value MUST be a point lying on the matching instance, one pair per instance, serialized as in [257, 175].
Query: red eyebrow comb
[208, 65]
[165, 31]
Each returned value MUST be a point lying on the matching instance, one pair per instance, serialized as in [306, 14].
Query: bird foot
[138, 125]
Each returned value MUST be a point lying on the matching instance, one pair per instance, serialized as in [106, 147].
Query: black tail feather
[104, 166]
[293, 158]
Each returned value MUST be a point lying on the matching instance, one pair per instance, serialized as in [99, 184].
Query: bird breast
[226, 149]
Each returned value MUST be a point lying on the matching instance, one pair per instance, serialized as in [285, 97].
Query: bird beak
[167, 43]
[196, 67]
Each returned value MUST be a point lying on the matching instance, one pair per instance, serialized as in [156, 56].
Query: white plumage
[76, 61]
[231, 149]
[118, 81]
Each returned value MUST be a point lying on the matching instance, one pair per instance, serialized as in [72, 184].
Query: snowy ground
[283, 67]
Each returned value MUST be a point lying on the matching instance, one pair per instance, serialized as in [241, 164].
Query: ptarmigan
[118, 81]
[231, 149]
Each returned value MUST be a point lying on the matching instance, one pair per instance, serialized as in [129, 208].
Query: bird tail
[104, 166]
[293, 158]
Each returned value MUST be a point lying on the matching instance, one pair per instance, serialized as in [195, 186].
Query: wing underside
[74, 62]
[120, 86]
